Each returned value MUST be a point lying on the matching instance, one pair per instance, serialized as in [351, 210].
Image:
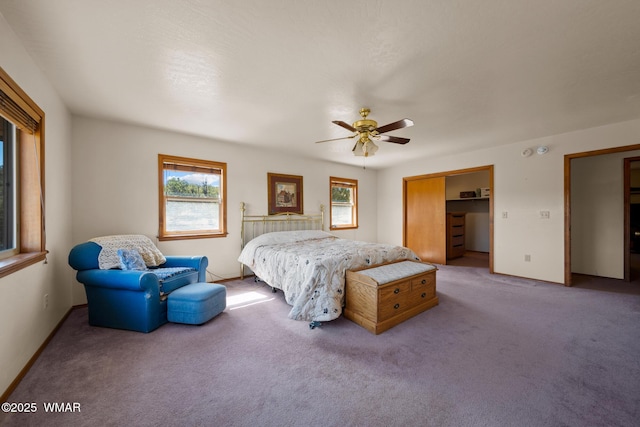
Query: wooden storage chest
[380, 297]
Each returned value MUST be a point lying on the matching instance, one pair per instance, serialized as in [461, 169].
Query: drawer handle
[397, 306]
[424, 294]
[396, 291]
[424, 281]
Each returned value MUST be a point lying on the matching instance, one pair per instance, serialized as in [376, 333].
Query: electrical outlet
[527, 258]
[46, 300]
[545, 214]
[505, 214]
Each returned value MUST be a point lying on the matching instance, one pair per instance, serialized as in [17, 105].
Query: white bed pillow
[289, 236]
[276, 237]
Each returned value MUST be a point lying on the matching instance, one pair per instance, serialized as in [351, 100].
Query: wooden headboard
[253, 226]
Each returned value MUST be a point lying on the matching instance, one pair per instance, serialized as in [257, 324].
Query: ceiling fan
[367, 131]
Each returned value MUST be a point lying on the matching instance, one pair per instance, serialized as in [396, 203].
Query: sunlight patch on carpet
[246, 299]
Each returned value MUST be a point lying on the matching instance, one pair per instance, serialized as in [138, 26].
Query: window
[192, 198]
[22, 232]
[7, 189]
[344, 203]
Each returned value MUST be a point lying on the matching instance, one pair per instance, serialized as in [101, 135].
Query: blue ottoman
[196, 303]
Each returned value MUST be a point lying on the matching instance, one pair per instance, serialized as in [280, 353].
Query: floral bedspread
[309, 267]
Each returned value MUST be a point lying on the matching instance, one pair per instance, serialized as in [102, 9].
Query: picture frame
[285, 194]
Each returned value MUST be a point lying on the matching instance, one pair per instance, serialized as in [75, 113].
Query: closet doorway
[439, 211]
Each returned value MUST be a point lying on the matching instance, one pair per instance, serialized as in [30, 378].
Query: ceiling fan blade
[337, 139]
[395, 139]
[344, 125]
[404, 123]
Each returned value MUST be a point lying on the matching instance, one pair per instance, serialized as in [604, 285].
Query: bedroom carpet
[497, 351]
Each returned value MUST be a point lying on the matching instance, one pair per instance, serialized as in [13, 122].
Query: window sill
[18, 262]
[191, 236]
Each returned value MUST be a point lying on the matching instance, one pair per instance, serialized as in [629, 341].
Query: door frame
[567, 207]
[627, 216]
[488, 168]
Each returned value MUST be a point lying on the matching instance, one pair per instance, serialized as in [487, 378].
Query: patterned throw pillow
[130, 259]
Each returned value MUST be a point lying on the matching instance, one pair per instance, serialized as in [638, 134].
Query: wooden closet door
[425, 217]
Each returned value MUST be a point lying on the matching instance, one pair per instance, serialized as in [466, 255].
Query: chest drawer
[456, 231]
[393, 299]
[423, 280]
[423, 287]
[456, 219]
[457, 241]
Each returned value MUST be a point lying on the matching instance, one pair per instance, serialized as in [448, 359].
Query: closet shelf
[468, 198]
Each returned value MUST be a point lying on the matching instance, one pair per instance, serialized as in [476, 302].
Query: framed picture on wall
[285, 194]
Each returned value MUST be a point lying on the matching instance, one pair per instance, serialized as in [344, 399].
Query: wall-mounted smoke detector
[543, 149]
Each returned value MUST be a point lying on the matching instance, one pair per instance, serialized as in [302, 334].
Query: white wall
[523, 186]
[25, 321]
[597, 214]
[115, 187]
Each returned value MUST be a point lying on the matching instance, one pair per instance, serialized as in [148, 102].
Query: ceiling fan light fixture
[371, 148]
[365, 149]
[358, 150]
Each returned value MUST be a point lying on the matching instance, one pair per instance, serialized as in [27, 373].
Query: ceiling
[274, 74]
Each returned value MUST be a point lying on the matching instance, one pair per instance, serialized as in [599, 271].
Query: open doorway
[597, 239]
[632, 218]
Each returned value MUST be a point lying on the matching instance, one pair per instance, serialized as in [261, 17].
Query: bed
[308, 264]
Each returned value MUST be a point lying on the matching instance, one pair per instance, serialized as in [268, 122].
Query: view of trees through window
[341, 194]
[176, 186]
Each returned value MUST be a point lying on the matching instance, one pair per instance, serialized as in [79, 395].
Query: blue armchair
[132, 299]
